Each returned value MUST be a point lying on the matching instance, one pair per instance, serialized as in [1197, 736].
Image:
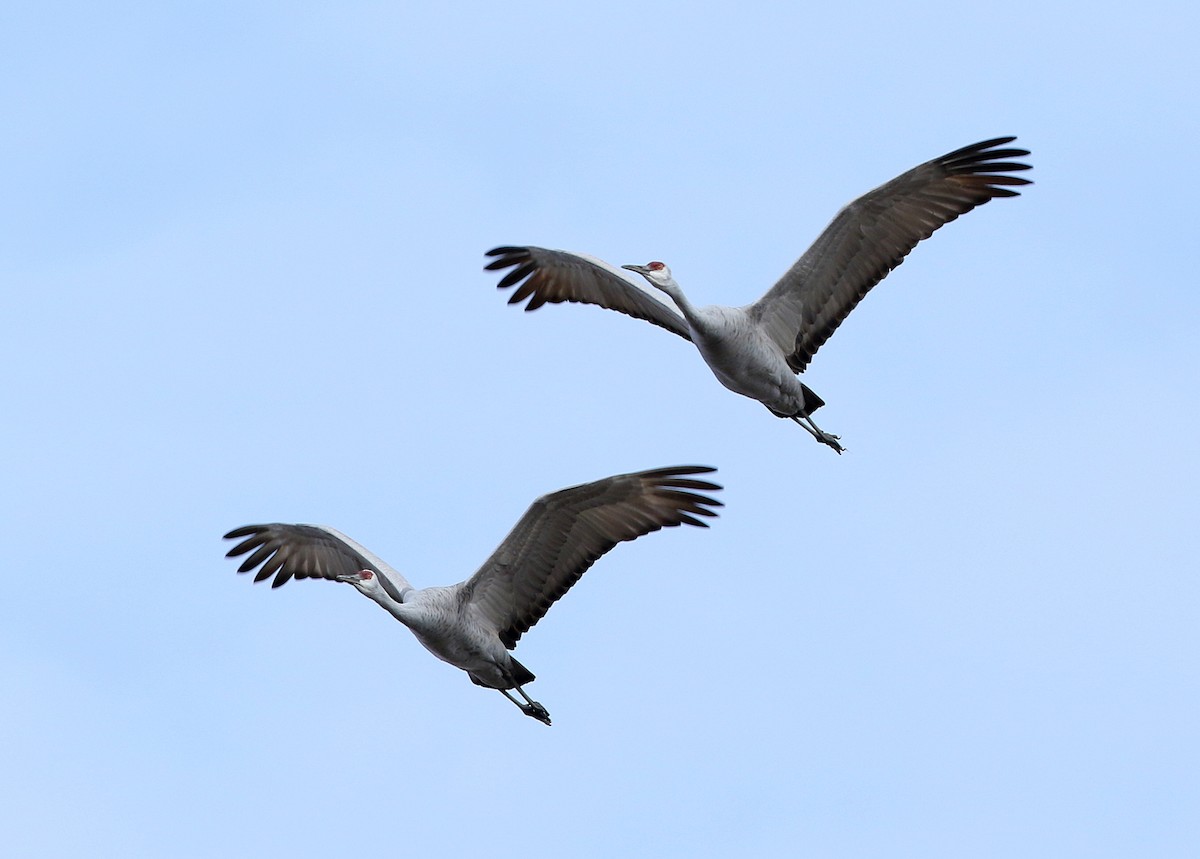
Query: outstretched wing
[872, 235]
[556, 276]
[308, 552]
[562, 534]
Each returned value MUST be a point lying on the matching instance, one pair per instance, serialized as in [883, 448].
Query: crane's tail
[811, 401]
[518, 675]
[521, 674]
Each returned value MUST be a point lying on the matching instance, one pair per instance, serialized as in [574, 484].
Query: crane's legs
[818, 433]
[530, 707]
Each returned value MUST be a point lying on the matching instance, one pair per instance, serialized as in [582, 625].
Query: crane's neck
[390, 596]
[671, 288]
[398, 591]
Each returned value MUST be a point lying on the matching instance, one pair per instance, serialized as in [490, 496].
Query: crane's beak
[640, 269]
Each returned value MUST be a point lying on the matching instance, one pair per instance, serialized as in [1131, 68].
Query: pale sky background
[242, 249]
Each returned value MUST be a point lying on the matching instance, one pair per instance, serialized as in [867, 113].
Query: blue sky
[242, 250]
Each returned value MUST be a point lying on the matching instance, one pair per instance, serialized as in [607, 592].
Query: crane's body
[743, 359]
[444, 624]
[741, 355]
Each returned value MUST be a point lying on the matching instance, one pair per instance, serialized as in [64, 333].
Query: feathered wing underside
[307, 552]
[872, 235]
[556, 276]
[563, 534]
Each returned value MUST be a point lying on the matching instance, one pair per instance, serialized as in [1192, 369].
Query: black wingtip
[518, 274]
[244, 531]
[984, 152]
[682, 469]
[505, 250]
[677, 477]
[981, 146]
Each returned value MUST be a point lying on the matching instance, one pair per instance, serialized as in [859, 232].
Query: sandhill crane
[473, 624]
[757, 350]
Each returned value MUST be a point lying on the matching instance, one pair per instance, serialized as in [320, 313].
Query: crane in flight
[758, 350]
[474, 624]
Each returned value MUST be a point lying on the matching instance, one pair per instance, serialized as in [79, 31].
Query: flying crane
[474, 624]
[759, 349]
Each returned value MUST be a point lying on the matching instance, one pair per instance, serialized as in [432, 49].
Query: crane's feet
[537, 711]
[831, 440]
[818, 433]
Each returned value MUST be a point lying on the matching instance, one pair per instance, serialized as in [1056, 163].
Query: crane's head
[378, 587]
[656, 273]
[369, 584]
